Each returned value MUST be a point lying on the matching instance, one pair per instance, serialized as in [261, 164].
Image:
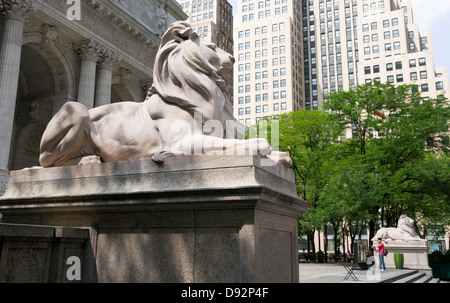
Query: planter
[398, 260]
[441, 271]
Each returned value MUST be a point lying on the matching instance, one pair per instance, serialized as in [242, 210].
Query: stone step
[435, 280]
[410, 278]
[424, 279]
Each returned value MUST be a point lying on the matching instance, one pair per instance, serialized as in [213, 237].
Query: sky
[428, 14]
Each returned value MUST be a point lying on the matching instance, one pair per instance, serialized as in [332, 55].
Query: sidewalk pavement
[336, 272]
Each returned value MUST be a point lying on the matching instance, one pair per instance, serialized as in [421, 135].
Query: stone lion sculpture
[404, 232]
[189, 89]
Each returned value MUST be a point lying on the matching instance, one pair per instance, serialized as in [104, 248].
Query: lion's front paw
[281, 158]
[161, 155]
[261, 146]
[89, 160]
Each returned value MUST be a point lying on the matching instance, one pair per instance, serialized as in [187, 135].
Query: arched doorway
[44, 85]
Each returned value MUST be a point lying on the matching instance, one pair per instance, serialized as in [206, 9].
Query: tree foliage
[376, 151]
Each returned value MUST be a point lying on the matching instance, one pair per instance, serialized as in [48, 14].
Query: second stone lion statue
[403, 232]
[189, 84]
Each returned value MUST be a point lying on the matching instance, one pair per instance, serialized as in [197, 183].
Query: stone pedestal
[189, 219]
[39, 254]
[415, 254]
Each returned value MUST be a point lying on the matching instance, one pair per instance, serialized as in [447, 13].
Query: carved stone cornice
[17, 9]
[102, 8]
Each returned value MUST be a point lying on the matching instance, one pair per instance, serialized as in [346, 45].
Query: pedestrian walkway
[336, 272]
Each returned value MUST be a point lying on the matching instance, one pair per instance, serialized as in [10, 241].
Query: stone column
[104, 78]
[89, 52]
[15, 13]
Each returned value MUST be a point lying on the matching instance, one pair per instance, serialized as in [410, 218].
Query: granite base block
[415, 254]
[190, 219]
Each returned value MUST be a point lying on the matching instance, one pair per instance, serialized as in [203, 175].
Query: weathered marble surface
[185, 113]
[189, 219]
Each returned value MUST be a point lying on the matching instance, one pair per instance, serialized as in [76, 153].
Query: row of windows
[261, 4]
[398, 65]
[373, 6]
[399, 78]
[200, 17]
[262, 14]
[276, 83]
[374, 25]
[204, 7]
[413, 75]
[275, 72]
[259, 30]
[260, 86]
[264, 52]
[265, 108]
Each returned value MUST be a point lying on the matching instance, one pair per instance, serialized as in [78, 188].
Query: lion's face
[221, 60]
[405, 221]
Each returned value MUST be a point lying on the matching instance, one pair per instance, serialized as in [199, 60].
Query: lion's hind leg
[66, 141]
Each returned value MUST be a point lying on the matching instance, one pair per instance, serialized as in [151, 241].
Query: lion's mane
[181, 76]
[403, 225]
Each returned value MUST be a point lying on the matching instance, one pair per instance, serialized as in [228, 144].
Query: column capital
[88, 49]
[17, 9]
[108, 58]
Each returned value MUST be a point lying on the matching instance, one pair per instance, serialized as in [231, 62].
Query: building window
[389, 66]
[439, 85]
[424, 87]
[422, 62]
[423, 74]
[398, 65]
[400, 78]
[412, 63]
[413, 76]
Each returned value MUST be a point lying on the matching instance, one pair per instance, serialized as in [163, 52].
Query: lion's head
[191, 73]
[406, 224]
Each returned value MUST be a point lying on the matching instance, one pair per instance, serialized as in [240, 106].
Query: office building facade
[268, 70]
[350, 42]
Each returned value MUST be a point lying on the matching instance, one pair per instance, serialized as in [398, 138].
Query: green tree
[393, 132]
[305, 136]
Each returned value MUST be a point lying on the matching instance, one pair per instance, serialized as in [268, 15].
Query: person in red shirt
[380, 247]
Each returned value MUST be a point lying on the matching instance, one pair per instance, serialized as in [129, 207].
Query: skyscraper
[292, 54]
[268, 71]
[349, 42]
